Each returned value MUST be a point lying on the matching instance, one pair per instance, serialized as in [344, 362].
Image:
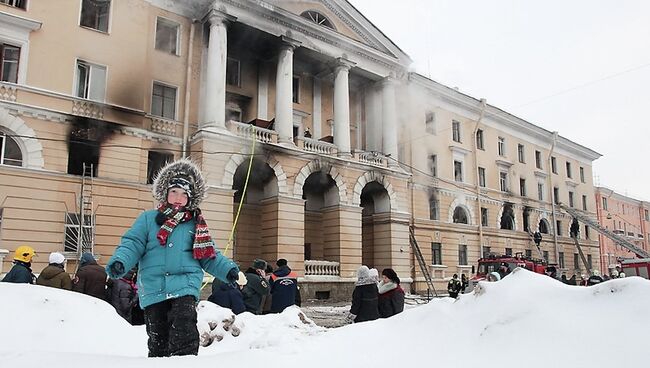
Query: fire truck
[636, 267]
[504, 264]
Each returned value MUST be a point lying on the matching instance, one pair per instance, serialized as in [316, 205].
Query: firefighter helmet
[24, 253]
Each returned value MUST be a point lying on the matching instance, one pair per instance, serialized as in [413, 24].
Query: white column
[316, 116]
[284, 92]
[342, 107]
[389, 120]
[262, 91]
[214, 108]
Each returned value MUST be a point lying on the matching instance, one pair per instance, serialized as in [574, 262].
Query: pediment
[347, 21]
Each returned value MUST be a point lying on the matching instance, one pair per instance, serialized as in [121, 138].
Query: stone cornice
[149, 135]
[26, 23]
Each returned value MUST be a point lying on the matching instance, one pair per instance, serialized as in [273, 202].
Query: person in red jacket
[391, 294]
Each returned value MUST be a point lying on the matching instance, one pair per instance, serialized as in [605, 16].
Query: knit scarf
[203, 246]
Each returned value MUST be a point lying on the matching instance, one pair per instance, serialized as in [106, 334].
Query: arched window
[508, 217]
[10, 153]
[317, 18]
[543, 226]
[460, 216]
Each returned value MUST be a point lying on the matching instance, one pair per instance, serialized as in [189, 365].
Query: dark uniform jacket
[54, 276]
[20, 273]
[364, 303]
[91, 280]
[255, 291]
[284, 289]
[227, 296]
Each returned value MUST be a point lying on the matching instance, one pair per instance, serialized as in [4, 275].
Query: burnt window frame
[96, 23]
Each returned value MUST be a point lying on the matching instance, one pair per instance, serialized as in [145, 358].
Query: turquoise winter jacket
[165, 272]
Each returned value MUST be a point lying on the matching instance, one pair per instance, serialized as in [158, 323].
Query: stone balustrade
[8, 92]
[87, 108]
[248, 130]
[164, 126]
[322, 268]
[316, 146]
[371, 158]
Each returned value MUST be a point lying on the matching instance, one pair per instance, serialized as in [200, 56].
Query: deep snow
[525, 320]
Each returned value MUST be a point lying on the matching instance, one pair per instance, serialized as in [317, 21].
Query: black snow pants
[171, 326]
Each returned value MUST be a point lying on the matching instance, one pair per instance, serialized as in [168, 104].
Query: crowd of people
[375, 298]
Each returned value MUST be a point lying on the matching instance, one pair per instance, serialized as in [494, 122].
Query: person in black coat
[123, 295]
[391, 294]
[257, 288]
[284, 287]
[229, 295]
[21, 272]
[364, 297]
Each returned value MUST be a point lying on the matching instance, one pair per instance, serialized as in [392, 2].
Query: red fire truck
[503, 265]
[636, 267]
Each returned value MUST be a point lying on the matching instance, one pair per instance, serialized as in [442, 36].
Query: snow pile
[526, 319]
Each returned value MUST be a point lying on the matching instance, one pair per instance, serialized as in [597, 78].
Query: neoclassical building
[347, 148]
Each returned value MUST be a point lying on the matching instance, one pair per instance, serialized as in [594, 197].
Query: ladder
[596, 226]
[582, 254]
[420, 258]
[86, 234]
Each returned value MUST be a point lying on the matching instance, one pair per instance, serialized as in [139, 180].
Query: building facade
[624, 216]
[97, 95]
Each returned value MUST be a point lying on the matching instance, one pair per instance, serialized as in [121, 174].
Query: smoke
[85, 137]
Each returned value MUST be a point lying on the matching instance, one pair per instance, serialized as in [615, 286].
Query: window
[163, 101]
[543, 226]
[545, 253]
[540, 191]
[436, 253]
[509, 251]
[560, 259]
[155, 162]
[95, 13]
[167, 36]
[591, 266]
[486, 252]
[503, 181]
[73, 238]
[568, 170]
[501, 146]
[520, 153]
[508, 217]
[538, 160]
[553, 165]
[570, 199]
[91, 81]
[558, 227]
[522, 187]
[10, 153]
[646, 215]
[433, 165]
[83, 147]
[460, 216]
[582, 174]
[458, 171]
[479, 139]
[317, 18]
[455, 128]
[10, 58]
[484, 216]
[576, 262]
[587, 232]
[481, 176]
[462, 255]
[605, 203]
[556, 195]
[430, 122]
[22, 4]
[434, 211]
[526, 218]
[584, 202]
[529, 253]
[296, 89]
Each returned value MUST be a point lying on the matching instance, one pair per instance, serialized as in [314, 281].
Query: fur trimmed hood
[186, 168]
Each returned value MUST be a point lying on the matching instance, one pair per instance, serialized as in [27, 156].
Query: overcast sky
[581, 67]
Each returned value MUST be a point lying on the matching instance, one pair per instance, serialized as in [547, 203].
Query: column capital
[215, 16]
[288, 42]
[387, 81]
[343, 63]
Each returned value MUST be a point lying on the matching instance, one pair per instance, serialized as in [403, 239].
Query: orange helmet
[24, 253]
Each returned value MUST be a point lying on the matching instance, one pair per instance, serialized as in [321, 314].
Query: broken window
[455, 128]
[433, 165]
[10, 58]
[233, 72]
[10, 153]
[460, 216]
[543, 226]
[508, 217]
[155, 162]
[95, 14]
[167, 35]
[163, 101]
[458, 171]
[91, 81]
[430, 122]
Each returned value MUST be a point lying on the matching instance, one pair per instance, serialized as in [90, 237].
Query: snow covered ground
[524, 320]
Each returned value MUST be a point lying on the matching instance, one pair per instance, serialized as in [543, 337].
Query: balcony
[249, 131]
[316, 146]
[164, 126]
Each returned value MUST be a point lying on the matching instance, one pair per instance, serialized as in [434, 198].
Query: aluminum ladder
[421, 262]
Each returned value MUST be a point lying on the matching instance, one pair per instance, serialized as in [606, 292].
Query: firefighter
[454, 286]
[21, 272]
